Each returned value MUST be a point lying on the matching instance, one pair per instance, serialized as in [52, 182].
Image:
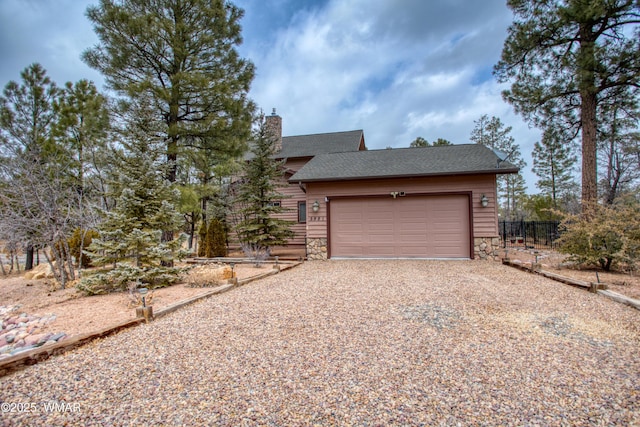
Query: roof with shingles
[460, 159]
[320, 143]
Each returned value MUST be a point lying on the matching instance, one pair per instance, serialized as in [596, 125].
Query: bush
[603, 236]
[124, 275]
[216, 239]
[202, 240]
[213, 240]
[81, 238]
[207, 275]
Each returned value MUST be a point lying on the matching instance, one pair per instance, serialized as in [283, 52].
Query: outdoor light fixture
[232, 265]
[484, 201]
[143, 292]
[315, 206]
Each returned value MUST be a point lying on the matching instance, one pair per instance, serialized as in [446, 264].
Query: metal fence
[529, 234]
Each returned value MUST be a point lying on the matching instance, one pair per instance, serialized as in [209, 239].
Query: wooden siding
[296, 164]
[485, 220]
[295, 195]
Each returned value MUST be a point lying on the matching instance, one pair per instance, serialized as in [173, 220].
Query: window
[302, 211]
[274, 204]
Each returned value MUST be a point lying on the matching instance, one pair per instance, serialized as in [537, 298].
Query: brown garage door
[411, 227]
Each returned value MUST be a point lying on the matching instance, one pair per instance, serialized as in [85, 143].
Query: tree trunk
[589, 150]
[588, 98]
[58, 272]
[192, 230]
[28, 265]
[68, 260]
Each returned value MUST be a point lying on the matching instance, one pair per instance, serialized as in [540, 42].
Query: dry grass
[204, 276]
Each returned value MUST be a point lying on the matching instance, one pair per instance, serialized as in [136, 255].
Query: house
[428, 202]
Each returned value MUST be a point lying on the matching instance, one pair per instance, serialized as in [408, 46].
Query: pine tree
[618, 145]
[553, 162]
[26, 119]
[216, 239]
[494, 134]
[131, 234]
[182, 54]
[202, 240]
[563, 58]
[259, 200]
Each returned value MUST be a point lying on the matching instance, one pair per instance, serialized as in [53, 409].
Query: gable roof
[321, 143]
[461, 159]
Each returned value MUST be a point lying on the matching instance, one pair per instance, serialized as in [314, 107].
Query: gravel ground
[356, 343]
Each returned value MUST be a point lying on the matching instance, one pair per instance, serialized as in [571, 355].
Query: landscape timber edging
[599, 288]
[621, 298]
[39, 354]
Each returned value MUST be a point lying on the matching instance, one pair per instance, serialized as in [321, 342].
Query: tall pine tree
[553, 162]
[26, 120]
[131, 234]
[182, 55]
[618, 145]
[494, 134]
[563, 57]
[258, 200]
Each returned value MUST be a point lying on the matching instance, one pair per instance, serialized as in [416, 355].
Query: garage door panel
[380, 251]
[424, 226]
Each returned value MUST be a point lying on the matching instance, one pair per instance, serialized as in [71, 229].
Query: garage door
[411, 227]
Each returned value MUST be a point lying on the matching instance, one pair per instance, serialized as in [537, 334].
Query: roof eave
[424, 175]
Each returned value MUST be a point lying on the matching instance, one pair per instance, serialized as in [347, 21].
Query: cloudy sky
[397, 69]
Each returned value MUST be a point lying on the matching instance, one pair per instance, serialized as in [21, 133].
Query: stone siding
[317, 249]
[486, 248]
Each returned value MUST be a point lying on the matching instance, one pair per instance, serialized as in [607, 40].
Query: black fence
[529, 234]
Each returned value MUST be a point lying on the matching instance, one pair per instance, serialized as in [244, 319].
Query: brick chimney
[274, 127]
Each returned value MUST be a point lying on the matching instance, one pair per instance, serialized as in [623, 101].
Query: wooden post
[146, 312]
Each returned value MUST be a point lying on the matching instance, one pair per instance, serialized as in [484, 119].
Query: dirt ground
[76, 313]
[623, 283]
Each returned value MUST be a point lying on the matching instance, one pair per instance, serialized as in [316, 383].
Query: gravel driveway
[356, 343]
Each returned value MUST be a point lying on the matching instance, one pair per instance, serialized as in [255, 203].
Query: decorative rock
[45, 338]
[58, 336]
[19, 332]
[22, 349]
[36, 340]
